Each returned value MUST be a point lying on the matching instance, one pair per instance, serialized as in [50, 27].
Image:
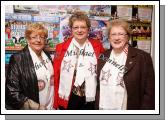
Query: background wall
[55, 19]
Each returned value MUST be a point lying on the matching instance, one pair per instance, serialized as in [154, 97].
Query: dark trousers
[79, 103]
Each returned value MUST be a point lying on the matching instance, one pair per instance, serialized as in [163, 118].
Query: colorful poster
[65, 31]
[17, 23]
[98, 30]
[55, 19]
[14, 34]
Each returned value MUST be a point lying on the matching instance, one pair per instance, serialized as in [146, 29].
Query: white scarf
[86, 67]
[113, 93]
[44, 74]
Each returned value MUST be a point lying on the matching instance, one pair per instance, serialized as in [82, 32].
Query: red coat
[60, 52]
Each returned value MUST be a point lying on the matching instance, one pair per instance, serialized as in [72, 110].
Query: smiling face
[118, 38]
[36, 34]
[80, 31]
[36, 42]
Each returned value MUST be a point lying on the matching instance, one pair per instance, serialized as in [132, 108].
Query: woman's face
[36, 42]
[118, 38]
[80, 31]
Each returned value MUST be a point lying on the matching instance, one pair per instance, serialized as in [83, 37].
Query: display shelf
[139, 18]
[13, 48]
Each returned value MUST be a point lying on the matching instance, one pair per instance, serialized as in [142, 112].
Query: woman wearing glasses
[75, 67]
[125, 74]
[29, 81]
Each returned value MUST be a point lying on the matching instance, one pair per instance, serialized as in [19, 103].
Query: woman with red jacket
[75, 67]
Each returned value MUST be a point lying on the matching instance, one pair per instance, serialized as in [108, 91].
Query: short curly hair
[79, 16]
[121, 23]
[36, 27]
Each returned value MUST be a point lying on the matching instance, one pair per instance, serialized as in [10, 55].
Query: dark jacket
[139, 79]
[21, 80]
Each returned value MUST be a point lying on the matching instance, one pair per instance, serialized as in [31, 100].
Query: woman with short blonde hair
[30, 78]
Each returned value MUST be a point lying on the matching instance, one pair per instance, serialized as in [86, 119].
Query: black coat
[21, 80]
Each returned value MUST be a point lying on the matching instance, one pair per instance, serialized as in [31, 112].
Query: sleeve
[56, 66]
[101, 47]
[13, 92]
[97, 97]
[148, 101]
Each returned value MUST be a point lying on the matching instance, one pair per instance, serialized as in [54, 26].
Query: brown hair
[79, 16]
[121, 23]
[36, 27]
[7, 25]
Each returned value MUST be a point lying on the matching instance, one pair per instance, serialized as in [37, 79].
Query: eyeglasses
[38, 37]
[77, 28]
[118, 34]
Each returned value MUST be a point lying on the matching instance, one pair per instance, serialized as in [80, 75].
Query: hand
[30, 105]
[42, 107]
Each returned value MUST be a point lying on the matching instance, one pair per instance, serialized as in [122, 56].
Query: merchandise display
[55, 19]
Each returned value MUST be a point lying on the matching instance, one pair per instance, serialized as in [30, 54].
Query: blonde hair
[79, 16]
[36, 27]
[120, 23]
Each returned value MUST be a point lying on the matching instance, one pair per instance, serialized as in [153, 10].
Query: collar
[78, 45]
[32, 52]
